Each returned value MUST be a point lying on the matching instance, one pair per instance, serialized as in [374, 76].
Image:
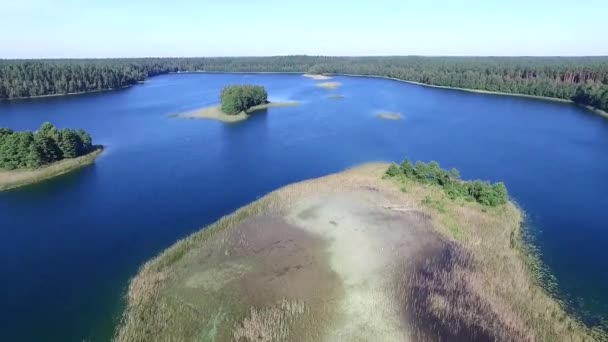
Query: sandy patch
[215, 113]
[366, 243]
[318, 77]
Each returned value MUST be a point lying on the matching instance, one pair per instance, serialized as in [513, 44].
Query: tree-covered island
[237, 102]
[29, 157]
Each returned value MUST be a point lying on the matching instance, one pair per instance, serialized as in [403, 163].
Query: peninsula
[31, 157]
[378, 252]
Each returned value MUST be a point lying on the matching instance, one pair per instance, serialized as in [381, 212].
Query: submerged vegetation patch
[388, 116]
[329, 85]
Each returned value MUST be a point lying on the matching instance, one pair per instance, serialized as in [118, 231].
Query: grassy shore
[17, 178]
[215, 112]
[354, 256]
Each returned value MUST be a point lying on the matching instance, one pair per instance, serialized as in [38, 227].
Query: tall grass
[488, 284]
[478, 284]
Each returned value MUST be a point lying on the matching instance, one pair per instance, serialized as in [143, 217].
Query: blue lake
[69, 246]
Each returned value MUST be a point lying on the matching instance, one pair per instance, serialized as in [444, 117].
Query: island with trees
[583, 80]
[375, 253]
[29, 157]
[237, 102]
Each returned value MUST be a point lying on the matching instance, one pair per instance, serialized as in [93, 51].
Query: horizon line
[304, 55]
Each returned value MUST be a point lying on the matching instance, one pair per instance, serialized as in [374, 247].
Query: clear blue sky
[131, 28]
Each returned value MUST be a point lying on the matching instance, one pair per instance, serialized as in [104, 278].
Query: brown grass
[17, 178]
[474, 285]
[481, 282]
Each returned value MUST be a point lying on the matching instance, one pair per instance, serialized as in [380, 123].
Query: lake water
[69, 246]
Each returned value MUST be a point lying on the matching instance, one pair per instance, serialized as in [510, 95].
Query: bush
[30, 150]
[484, 193]
[238, 98]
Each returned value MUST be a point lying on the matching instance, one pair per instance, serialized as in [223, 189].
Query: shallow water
[69, 246]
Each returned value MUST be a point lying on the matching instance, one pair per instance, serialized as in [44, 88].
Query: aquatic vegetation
[388, 116]
[329, 85]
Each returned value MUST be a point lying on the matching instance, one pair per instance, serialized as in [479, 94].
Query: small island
[407, 252]
[237, 102]
[30, 157]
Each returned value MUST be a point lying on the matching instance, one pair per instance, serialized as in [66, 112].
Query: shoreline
[497, 279]
[71, 94]
[597, 111]
[18, 178]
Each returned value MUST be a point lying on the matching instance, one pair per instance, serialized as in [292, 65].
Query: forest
[583, 80]
[21, 150]
[238, 98]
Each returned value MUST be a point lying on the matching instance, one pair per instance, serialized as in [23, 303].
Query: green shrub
[237, 98]
[431, 173]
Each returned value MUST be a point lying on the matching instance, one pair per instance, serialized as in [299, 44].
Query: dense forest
[237, 98]
[19, 150]
[581, 79]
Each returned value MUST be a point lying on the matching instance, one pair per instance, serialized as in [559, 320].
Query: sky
[189, 28]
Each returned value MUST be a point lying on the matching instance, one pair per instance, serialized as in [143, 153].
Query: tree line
[581, 79]
[20, 150]
[481, 192]
[237, 98]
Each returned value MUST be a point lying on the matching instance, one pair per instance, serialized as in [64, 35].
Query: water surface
[69, 246]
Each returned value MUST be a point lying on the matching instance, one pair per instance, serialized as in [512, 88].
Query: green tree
[237, 98]
[69, 143]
